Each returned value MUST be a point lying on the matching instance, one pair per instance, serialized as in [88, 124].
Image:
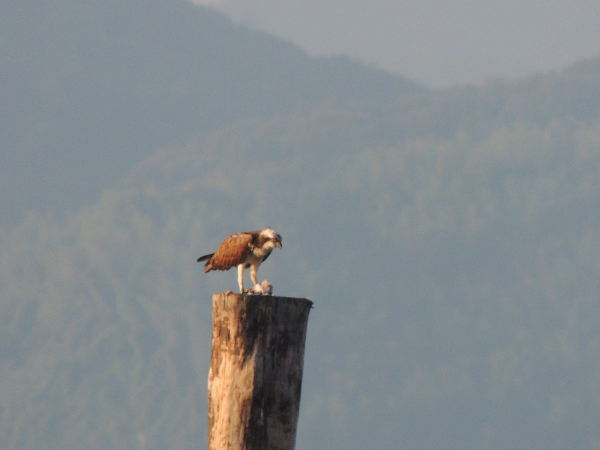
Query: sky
[438, 43]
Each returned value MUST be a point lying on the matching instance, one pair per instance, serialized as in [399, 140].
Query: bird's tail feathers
[205, 257]
[207, 266]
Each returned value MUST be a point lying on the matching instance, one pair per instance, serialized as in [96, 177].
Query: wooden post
[255, 374]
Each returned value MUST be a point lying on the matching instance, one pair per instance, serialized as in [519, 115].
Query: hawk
[245, 249]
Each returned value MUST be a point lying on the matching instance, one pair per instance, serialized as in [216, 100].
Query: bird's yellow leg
[253, 274]
[241, 277]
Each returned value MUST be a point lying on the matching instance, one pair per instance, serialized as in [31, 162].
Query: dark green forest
[450, 239]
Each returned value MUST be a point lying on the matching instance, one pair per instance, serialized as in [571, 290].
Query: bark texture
[255, 376]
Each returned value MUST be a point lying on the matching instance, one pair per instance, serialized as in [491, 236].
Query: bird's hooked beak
[278, 242]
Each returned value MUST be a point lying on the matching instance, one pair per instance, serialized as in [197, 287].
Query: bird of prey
[245, 249]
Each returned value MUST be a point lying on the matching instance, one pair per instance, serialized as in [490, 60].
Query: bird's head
[272, 238]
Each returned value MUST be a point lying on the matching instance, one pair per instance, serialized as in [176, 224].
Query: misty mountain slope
[90, 362]
[454, 279]
[89, 89]
[570, 94]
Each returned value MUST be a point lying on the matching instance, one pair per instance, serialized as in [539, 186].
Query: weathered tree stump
[255, 374]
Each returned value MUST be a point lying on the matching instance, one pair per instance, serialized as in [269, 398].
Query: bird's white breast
[260, 253]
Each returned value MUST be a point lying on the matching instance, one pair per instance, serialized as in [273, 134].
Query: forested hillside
[449, 239]
[88, 89]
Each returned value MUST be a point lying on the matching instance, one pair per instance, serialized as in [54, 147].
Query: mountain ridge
[93, 88]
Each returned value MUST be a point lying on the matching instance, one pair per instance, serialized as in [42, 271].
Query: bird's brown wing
[233, 251]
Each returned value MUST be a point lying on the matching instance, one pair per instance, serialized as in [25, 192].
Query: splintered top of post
[248, 297]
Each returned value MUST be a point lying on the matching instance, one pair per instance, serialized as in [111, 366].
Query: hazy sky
[435, 42]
